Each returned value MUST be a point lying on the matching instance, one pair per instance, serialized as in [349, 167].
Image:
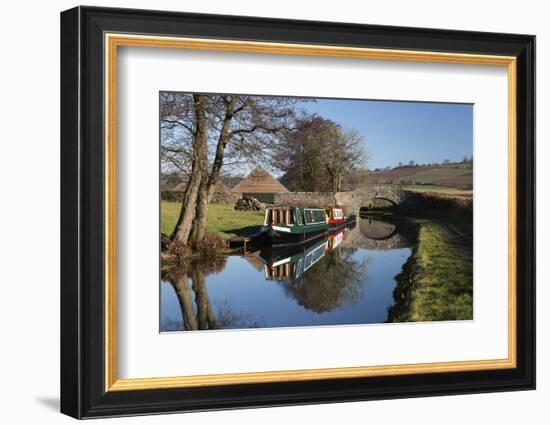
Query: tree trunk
[339, 183]
[189, 193]
[201, 297]
[333, 179]
[201, 211]
[211, 317]
[185, 299]
[208, 182]
[188, 207]
[206, 191]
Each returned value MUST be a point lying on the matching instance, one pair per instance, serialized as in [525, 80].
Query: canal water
[345, 278]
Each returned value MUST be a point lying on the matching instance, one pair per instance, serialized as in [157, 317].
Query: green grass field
[222, 219]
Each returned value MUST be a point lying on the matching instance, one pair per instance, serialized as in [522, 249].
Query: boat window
[277, 216]
[314, 216]
[290, 216]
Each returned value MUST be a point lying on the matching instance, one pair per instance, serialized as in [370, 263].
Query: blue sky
[403, 131]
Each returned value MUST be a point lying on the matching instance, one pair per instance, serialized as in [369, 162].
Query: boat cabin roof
[277, 207]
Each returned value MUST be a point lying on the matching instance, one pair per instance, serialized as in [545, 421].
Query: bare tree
[319, 154]
[249, 125]
[177, 129]
[346, 153]
[301, 154]
[198, 169]
[220, 127]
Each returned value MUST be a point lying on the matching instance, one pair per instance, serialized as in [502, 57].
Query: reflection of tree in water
[230, 319]
[336, 280]
[196, 308]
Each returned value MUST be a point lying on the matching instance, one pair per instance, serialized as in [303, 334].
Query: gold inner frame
[113, 41]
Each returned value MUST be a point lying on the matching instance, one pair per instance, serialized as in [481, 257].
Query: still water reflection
[345, 278]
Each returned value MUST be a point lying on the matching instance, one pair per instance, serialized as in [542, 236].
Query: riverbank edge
[212, 248]
[438, 252]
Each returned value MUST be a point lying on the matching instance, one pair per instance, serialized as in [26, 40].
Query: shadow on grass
[243, 231]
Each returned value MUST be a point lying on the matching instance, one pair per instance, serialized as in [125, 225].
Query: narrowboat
[292, 225]
[290, 264]
[349, 218]
[336, 216]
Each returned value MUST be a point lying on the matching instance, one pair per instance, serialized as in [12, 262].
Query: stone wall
[217, 198]
[224, 198]
[353, 199]
[361, 198]
[310, 199]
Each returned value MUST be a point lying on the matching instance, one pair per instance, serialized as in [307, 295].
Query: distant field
[459, 176]
[444, 190]
[398, 173]
[436, 174]
[221, 218]
[464, 180]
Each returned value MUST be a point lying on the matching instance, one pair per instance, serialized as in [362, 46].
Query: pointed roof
[169, 182]
[259, 181]
[181, 186]
[219, 187]
[255, 260]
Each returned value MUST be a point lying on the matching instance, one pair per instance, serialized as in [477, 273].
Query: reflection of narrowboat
[292, 225]
[336, 238]
[336, 216]
[284, 264]
[350, 218]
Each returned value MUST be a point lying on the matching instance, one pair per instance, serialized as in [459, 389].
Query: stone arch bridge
[356, 199]
[376, 234]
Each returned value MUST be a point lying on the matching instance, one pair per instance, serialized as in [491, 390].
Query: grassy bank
[436, 281]
[222, 219]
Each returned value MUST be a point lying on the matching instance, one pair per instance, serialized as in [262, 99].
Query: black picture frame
[83, 392]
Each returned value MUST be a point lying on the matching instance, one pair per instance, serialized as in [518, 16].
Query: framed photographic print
[262, 212]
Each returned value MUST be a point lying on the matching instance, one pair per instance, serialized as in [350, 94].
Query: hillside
[456, 176]
[454, 179]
